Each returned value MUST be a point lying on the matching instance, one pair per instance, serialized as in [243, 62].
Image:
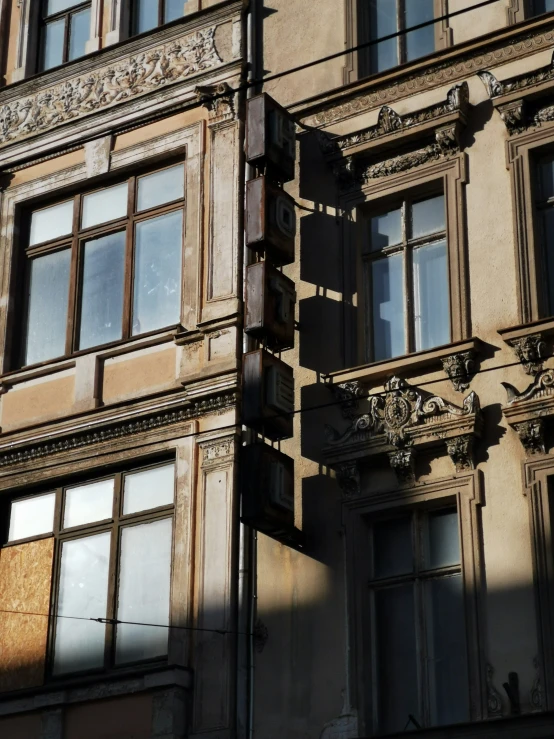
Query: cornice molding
[399, 422]
[458, 65]
[108, 86]
[27, 452]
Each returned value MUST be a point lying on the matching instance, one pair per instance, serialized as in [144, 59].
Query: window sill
[539, 725]
[430, 359]
[78, 690]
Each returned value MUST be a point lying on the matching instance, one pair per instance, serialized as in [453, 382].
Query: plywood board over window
[25, 582]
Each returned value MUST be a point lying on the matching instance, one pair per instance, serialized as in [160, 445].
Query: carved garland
[120, 430]
[109, 86]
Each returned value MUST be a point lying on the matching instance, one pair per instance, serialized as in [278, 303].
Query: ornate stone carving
[111, 431]
[531, 352]
[348, 477]
[109, 86]
[401, 418]
[403, 463]
[219, 100]
[536, 699]
[459, 368]
[531, 435]
[215, 451]
[495, 708]
[348, 394]
[460, 451]
[513, 115]
[435, 75]
[542, 382]
[402, 162]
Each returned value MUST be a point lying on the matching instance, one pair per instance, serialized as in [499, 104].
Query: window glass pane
[161, 187]
[79, 33]
[428, 216]
[173, 9]
[548, 240]
[420, 42]
[88, 503]
[388, 308]
[440, 539]
[105, 205]
[383, 22]
[146, 15]
[144, 582]
[386, 229]
[392, 547]
[56, 6]
[51, 223]
[431, 296]
[52, 44]
[149, 489]
[83, 592]
[542, 6]
[448, 678]
[157, 284]
[395, 644]
[47, 312]
[32, 516]
[102, 291]
[546, 177]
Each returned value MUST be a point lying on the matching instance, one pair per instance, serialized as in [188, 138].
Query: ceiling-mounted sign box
[267, 487]
[270, 221]
[270, 137]
[270, 301]
[267, 395]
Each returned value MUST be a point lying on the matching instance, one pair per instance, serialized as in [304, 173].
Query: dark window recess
[104, 266]
[418, 626]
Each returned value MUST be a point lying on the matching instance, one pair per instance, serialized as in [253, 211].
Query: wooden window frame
[76, 241]
[417, 577]
[463, 491]
[114, 526]
[358, 63]
[47, 20]
[406, 248]
[447, 176]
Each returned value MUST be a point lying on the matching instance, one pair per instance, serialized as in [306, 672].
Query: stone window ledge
[457, 360]
[532, 343]
[79, 690]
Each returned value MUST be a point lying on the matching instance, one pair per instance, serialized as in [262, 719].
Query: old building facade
[415, 591]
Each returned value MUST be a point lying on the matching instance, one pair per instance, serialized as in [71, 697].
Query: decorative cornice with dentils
[441, 73]
[400, 421]
[109, 86]
[27, 452]
[457, 100]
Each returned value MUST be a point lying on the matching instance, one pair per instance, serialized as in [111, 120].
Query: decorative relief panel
[528, 411]
[109, 86]
[399, 422]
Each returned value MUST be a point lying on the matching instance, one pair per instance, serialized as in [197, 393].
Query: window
[148, 14]
[544, 204]
[537, 7]
[112, 561]
[386, 17]
[417, 621]
[65, 30]
[104, 266]
[406, 278]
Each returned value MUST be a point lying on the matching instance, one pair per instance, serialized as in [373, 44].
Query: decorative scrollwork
[402, 462]
[218, 99]
[460, 451]
[459, 368]
[495, 708]
[531, 352]
[348, 395]
[542, 382]
[536, 693]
